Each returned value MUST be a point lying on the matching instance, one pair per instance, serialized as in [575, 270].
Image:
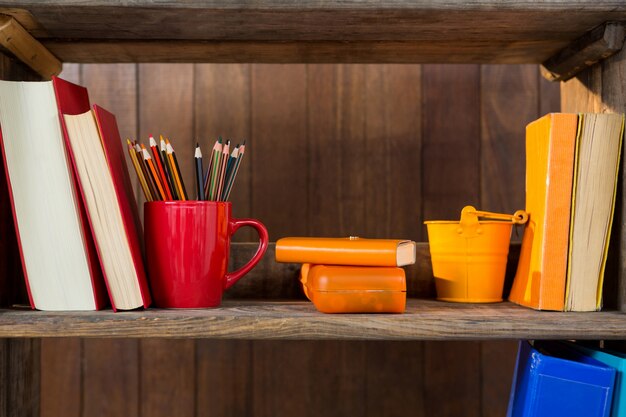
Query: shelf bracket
[17, 40]
[594, 46]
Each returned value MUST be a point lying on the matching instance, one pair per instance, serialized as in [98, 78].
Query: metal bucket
[469, 256]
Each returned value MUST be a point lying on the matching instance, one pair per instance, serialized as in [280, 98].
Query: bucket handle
[469, 219]
[519, 217]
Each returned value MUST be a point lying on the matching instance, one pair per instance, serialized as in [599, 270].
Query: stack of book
[572, 163]
[71, 198]
[351, 275]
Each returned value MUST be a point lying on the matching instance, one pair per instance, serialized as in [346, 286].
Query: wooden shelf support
[15, 39]
[592, 47]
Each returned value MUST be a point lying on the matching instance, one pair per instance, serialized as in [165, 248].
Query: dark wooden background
[336, 150]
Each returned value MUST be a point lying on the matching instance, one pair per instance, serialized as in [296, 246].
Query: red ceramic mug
[187, 247]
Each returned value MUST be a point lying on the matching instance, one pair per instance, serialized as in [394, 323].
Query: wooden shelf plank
[423, 320]
[315, 31]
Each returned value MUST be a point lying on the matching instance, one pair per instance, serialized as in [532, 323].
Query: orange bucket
[469, 256]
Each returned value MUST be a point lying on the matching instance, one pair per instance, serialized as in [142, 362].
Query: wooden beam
[299, 320]
[594, 46]
[27, 49]
[284, 52]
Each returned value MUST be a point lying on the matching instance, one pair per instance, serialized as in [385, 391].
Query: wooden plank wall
[332, 150]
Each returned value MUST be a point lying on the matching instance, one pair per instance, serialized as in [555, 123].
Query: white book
[45, 203]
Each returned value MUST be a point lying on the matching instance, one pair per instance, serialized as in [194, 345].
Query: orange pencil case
[354, 289]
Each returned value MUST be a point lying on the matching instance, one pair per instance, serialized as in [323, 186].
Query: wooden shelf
[314, 31]
[424, 319]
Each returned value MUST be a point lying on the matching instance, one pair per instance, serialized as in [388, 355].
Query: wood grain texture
[450, 141]
[110, 377]
[222, 108]
[276, 151]
[393, 151]
[16, 39]
[19, 368]
[549, 97]
[394, 379]
[503, 134]
[61, 376]
[591, 48]
[497, 365]
[451, 180]
[423, 320]
[224, 378]
[168, 378]
[327, 148]
[270, 5]
[451, 370]
[583, 93]
[25, 19]
[351, 136]
[324, 378]
[284, 52]
[323, 21]
[419, 23]
[166, 94]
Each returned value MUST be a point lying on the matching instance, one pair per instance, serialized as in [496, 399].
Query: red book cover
[114, 153]
[74, 99]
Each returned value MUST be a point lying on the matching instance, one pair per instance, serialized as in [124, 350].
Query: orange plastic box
[354, 289]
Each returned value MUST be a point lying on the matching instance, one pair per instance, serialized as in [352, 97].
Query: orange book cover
[346, 251]
[542, 270]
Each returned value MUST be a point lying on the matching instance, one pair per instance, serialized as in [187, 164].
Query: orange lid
[351, 278]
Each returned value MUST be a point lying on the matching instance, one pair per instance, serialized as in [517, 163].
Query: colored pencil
[229, 171]
[153, 172]
[175, 172]
[144, 169]
[166, 167]
[142, 180]
[215, 163]
[199, 173]
[223, 163]
[159, 167]
[242, 150]
[178, 174]
[216, 148]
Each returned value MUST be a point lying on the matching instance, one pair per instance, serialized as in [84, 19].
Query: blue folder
[616, 360]
[553, 380]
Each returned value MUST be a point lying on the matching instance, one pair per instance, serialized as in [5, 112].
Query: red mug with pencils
[187, 248]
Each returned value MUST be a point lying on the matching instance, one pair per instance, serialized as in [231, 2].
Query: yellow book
[593, 203]
[346, 251]
[541, 274]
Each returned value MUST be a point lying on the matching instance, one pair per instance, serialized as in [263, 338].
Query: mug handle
[234, 225]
